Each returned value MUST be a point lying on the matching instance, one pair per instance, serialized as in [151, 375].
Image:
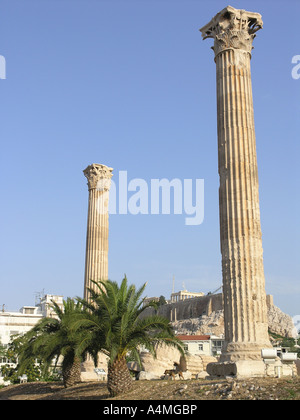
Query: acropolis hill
[205, 314]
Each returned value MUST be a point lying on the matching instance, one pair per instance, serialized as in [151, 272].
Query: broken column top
[233, 29]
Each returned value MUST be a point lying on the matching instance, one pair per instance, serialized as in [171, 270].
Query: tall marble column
[96, 260]
[96, 263]
[245, 310]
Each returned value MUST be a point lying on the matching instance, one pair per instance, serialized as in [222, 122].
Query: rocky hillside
[279, 323]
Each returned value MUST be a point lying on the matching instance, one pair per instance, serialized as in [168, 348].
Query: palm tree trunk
[71, 371]
[118, 379]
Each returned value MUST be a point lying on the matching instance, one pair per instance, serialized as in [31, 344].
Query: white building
[16, 323]
[45, 305]
[13, 323]
[208, 345]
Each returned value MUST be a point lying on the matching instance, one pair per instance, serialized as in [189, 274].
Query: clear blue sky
[131, 84]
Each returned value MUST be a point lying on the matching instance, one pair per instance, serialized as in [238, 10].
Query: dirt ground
[258, 389]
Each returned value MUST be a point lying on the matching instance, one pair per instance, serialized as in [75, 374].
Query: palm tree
[113, 324]
[51, 338]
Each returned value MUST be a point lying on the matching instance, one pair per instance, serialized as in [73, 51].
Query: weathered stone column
[96, 262]
[245, 310]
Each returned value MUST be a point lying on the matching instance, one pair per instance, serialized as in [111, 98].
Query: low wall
[189, 308]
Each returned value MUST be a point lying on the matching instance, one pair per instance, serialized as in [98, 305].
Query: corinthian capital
[233, 29]
[98, 177]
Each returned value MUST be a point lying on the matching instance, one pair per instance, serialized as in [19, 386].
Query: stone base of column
[240, 360]
[239, 369]
[251, 369]
[88, 373]
[235, 352]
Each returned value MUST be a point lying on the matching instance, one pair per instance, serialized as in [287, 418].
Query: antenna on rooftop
[38, 296]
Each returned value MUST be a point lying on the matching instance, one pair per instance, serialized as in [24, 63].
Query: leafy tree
[162, 301]
[113, 324]
[291, 343]
[10, 373]
[2, 350]
[52, 338]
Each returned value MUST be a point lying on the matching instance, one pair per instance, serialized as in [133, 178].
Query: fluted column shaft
[240, 229]
[245, 310]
